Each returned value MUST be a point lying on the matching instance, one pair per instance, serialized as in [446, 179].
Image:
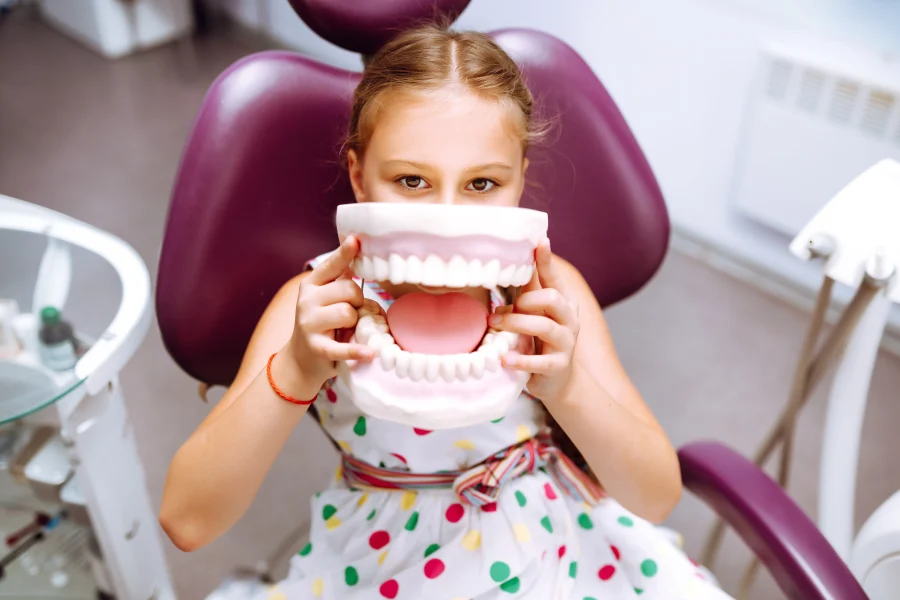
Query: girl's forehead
[445, 123]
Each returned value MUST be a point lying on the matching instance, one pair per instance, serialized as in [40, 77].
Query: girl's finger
[547, 272]
[335, 316]
[543, 328]
[542, 364]
[550, 302]
[337, 351]
[342, 290]
[335, 265]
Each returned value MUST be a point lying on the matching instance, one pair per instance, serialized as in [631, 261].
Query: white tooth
[488, 339]
[491, 357]
[457, 273]
[413, 270]
[463, 366]
[511, 338]
[367, 268]
[506, 276]
[402, 364]
[397, 267]
[448, 367]
[476, 273]
[417, 363]
[501, 345]
[477, 364]
[434, 271]
[379, 324]
[490, 274]
[378, 341]
[356, 266]
[433, 367]
[523, 275]
[364, 329]
[389, 356]
[381, 269]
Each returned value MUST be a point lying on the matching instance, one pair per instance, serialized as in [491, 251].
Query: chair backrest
[260, 179]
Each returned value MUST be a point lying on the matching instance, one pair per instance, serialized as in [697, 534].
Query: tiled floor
[101, 141]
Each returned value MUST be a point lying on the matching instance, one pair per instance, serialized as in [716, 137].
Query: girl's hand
[549, 313]
[327, 303]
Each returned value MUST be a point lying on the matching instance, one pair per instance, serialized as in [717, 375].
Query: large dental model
[438, 364]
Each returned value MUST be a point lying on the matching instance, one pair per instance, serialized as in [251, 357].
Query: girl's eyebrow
[425, 167]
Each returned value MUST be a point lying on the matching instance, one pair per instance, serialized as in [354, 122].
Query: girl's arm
[215, 475]
[606, 418]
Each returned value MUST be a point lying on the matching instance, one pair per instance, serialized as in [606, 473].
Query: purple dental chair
[259, 181]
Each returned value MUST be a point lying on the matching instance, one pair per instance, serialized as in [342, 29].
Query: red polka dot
[616, 552]
[492, 507]
[421, 431]
[399, 457]
[548, 490]
[433, 568]
[562, 551]
[606, 572]
[389, 588]
[379, 539]
[455, 512]
[332, 397]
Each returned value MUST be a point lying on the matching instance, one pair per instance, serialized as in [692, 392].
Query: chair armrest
[786, 541]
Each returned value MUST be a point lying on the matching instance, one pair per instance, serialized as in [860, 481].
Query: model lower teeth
[372, 331]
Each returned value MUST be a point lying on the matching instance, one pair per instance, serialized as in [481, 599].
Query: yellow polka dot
[464, 444]
[344, 446]
[587, 507]
[322, 417]
[339, 473]
[317, 586]
[275, 593]
[362, 499]
[381, 557]
[472, 540]
[523, 536]
[407, 501]
[522, 433]
[332, 523]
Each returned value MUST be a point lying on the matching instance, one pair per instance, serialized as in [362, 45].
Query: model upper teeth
[434, 271]
[371, 330]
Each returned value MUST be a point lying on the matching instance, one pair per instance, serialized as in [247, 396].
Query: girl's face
[453, 148]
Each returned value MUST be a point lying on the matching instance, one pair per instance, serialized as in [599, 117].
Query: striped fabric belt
[480, 485]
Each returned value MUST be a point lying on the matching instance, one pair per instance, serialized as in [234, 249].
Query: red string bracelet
[281, 394]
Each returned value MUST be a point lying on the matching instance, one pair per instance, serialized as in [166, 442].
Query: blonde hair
[430, 59]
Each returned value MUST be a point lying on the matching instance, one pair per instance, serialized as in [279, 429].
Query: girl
[445, 117]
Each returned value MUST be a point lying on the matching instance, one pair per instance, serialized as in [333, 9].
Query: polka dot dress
[534, 542]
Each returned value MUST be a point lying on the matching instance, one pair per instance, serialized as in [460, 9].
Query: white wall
[679, 71]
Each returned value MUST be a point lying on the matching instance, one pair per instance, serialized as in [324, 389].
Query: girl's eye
[481, 185]
[412, 182]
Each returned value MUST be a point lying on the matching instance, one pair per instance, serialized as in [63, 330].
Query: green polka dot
[511, 586]
[499, 571]
[573, 569]
[584, 520]
[432, 549]
[649, 568]
[589, 598]
[381, 464]
[328, 511]
[351, 576]
[371, 515]
[520, 498]
[412, 521]
[360, 427]
[305, 550]
[638, 591]
[626, 521]
[546, 524]
[497, 420]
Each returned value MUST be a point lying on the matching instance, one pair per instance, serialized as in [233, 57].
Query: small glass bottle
[58, 347]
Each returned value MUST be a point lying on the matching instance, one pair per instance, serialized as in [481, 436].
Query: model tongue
[452, 323]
